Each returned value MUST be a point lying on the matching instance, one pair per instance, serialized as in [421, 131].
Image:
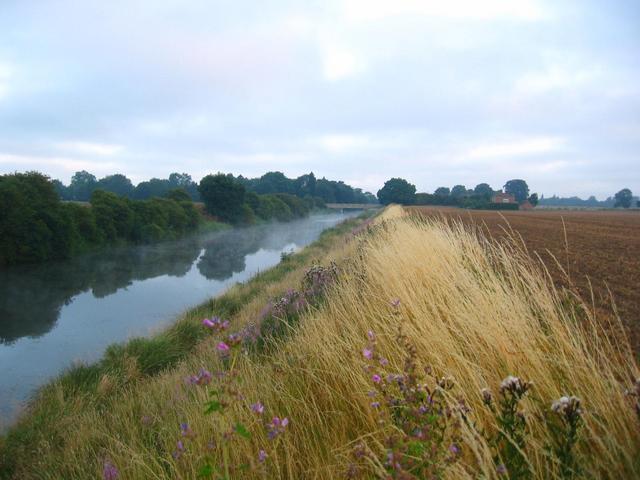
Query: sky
[437, 92]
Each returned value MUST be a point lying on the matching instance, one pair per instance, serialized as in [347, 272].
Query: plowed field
[601, 249]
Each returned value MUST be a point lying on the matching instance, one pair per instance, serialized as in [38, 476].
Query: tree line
[35, 225]
[398, 190]
[83, 184]
[42, 219]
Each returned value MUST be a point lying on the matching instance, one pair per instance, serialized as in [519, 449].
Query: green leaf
[213, 406]
[242, 430]
[206, 471]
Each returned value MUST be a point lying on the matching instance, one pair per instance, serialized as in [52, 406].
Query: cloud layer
[437, 92]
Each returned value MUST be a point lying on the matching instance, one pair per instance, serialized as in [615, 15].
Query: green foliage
[118, 184]
[223, 197]
[442, 192]
[36, 226]
[458, 191]
[533, 199]
[502, 206]
[307, 185]
[623, 198]
[33, 227]
[397, 190]
[518, 188]
[484, 190]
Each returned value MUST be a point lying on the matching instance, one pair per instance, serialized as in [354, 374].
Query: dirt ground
[603, 251]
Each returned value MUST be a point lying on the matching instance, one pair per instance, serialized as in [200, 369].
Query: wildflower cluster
[509, 442]
[425, 421]
[109, 471]
[216, 324]
[223, 398]
[202, 378]
[565, 433]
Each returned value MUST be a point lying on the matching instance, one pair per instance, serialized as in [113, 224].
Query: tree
[442, 192]
[397, 190]
[533, 199]
[623, 198]
[223, 196]
[484, 190]
[518, 188]
[458, 191]
[118, 184]
[82, 186]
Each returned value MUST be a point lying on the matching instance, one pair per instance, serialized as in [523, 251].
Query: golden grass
[475, 310]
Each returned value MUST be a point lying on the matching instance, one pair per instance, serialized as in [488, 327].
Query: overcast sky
[438, 92]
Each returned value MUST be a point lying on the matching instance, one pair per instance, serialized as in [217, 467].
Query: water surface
[55, 314]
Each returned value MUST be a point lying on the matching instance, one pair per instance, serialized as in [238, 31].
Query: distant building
[503, 198]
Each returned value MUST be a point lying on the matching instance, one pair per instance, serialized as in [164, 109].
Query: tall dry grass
[475, 310]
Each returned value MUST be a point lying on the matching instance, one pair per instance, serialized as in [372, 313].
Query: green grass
[124, 364]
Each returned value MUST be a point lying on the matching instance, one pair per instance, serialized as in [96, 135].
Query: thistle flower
[109, 471]
[487, 396]
[376, 378]
[515, 386]
[258, 408]
[216, 323]
[567, 407]
[367, 353]
[222, 347]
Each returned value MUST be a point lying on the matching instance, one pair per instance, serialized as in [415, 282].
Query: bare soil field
[601, 249]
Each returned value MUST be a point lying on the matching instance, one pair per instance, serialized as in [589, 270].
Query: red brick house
[503, 198]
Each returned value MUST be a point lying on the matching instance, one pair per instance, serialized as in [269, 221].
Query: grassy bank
[97, 387]
[379, 372]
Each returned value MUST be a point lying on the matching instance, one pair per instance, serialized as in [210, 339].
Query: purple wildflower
[375, 404]
[258, 408]
[186, 430]
[371, 335]
[222, 347]
[367, 353]
[109, 471]
[276, 427]
[216, 323]
[262, 456]
[395, 302]
[376, 378]
[208, 323]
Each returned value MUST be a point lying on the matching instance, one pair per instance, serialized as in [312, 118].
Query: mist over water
[55, 314]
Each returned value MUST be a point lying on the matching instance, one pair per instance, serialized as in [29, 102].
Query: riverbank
[137, 361]
[413, 355]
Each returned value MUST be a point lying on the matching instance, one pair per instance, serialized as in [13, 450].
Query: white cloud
[554, 78]
[371, 10]
[69, 165]
[5, 73]
[339, 63]
[89, 148]
[526, 146]
[340, 143]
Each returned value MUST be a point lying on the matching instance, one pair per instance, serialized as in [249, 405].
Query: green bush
[502, 206]
[36, 226]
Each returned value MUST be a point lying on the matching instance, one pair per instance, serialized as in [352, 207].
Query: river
[58, 313]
